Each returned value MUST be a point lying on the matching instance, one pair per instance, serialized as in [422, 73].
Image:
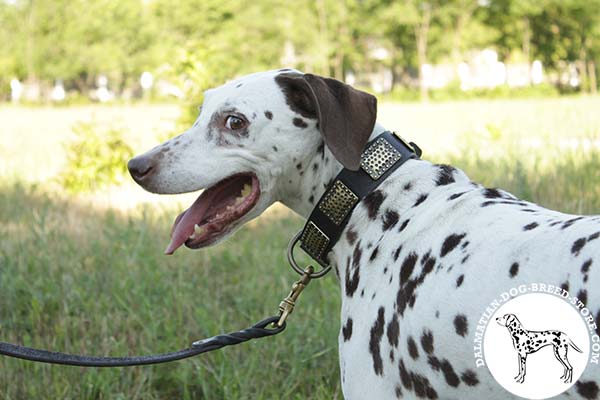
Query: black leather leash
[267, 327]
[256, 331]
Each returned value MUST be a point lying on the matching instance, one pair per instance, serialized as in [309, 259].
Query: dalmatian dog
[421, 256]
[528, 342]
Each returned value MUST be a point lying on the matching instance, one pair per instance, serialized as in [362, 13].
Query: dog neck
[304, 185]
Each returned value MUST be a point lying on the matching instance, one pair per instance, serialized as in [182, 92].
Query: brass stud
[378, 158]
[338, 202]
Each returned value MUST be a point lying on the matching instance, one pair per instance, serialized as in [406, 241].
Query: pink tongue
[185, 226]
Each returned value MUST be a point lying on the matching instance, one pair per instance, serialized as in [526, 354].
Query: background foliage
[210, 41]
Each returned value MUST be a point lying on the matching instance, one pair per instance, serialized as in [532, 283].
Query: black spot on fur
[238, 85]
[492, 194]
[449, 374]
[299, 122]
[373, 203]
[418, 383]
[403, 226]
[269, 114]
[434, 363]
[514, 269]
[469, 377]
[461, 325]
[585, 269]
[390, 219]
[582, 296]
[578, 245]
[351, 235]
[311, 199]
[315, 167]
[428, 263]
[456, 196]
[347, 330]
[375, 342]
[587, 390]
[427, 342]
[421, 199]
[408, 265]
[594, 236]
[570, 222]
[506, 202]
[459, 280]
[398, 391]
[353, 274]
[530, 226]
[565, 286]
[450, 243]
[299, 166]
[397, 253]
[405, 376]
[393, 331]
[275, 148]
[321, 149]
[408, 186]
[445, 175]
[374, 254]
[412, 348]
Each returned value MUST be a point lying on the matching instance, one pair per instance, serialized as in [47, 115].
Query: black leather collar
[383, 155]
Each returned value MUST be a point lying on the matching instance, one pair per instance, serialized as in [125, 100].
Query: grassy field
[86, 273]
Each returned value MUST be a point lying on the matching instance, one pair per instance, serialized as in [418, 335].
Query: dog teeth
[198, 230]
[192, 236]
[246, 190]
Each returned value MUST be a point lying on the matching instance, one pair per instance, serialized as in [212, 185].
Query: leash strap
[383, 155]
[256, 331]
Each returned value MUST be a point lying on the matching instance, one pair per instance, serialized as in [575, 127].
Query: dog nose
[141, 167]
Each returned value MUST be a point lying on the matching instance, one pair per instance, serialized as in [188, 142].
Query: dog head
[244, 143]
[508, 320]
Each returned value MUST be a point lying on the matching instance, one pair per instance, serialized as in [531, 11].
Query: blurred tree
[207, 41]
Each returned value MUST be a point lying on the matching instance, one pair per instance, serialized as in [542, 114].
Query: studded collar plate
[382, 156]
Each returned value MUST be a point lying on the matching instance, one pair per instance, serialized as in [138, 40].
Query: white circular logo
[536, 345]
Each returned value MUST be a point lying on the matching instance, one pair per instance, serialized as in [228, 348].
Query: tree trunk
[422, 35]
[592, 77]
[341, 40]
[527, 44]
[582, 64]
[323, 35]
[30, 45]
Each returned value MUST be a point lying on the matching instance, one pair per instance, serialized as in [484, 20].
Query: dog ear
[346, 116]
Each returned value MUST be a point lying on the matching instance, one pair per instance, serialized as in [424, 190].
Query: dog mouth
[213, 213]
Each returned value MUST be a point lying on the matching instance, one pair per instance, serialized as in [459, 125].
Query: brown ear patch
[346, 116]
[297, 94]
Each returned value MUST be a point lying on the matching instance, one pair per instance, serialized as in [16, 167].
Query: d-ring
[295, 266]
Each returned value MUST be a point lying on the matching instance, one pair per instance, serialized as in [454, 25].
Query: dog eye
[234, 123]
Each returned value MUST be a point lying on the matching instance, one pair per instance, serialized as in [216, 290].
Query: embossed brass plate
[338, 202]
[378, 158]
[314, 241]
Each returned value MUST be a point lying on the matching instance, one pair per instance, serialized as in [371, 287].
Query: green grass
[96, 282]
[86, 273]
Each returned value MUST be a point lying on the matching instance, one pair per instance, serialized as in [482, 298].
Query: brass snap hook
[286, 307]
